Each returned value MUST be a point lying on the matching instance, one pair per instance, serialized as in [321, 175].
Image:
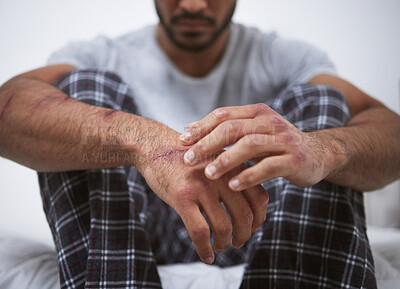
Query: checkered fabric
[111, 231]
[313, 237]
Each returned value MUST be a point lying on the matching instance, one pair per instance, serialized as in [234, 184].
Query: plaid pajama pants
[111, 231]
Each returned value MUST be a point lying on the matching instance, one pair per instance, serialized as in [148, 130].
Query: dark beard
[200, 47]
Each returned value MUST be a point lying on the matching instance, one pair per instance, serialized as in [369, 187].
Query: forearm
[365, 153]
[44, 129]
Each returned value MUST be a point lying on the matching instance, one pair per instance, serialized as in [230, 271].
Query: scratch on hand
[171, 152]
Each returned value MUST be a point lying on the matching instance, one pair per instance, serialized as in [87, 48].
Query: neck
[196, 64]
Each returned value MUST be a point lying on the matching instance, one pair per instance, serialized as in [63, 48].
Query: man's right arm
[46, 130]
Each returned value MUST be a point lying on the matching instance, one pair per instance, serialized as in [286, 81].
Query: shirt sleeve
[296, 62]
[98, 54]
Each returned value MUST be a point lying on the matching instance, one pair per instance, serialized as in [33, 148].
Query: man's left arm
[364, 154]
[371, 139]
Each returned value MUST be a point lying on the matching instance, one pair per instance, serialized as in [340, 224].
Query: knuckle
[219, 113]
[264, 118]
[286, 138]
[275, 167]
[192, 124]
[298, 156]
[263, 201]
[200, 129]
[277, 120]
[185, 196]
[247, 216]
[260, 108]
[247, 178]
[233, 127]
[196, 125]
[261, 126]
[195, 128]
[260, 221]
[255, 139]
[224, 230]
[222, 161]
[200, 233]
[199, 147]
[278, 124]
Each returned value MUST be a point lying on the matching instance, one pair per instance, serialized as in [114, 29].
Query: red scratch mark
[171, 152]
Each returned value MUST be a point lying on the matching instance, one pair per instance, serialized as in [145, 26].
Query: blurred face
[194, 25]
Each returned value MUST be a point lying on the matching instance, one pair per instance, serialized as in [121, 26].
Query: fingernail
[209, 260]
[185, 137]
[189, 157]
[234, 184]
[211, 170]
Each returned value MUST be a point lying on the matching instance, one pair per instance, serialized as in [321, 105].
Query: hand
[260, 134]
[190, 193]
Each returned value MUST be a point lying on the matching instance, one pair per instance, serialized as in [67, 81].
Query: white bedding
[385, 244]
[28, 264]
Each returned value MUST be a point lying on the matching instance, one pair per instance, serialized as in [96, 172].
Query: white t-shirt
[254, 68]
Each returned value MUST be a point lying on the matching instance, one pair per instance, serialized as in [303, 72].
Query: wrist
[332, 151]
[150, 142]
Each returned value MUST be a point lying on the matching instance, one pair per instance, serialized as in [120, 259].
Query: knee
[97, 87]
[313, 107]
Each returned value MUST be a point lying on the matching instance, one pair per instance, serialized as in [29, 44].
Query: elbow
[8, 94]
[4, 106]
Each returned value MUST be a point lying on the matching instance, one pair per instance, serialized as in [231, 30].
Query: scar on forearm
[5, 107]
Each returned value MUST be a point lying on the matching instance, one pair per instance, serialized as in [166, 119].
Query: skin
[192, 27]
[57, 133]
[54, 132]
[195, 55]
[50, 134]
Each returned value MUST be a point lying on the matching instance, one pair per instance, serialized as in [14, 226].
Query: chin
[192, 44]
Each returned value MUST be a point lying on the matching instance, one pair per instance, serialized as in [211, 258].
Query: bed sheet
[29, 264]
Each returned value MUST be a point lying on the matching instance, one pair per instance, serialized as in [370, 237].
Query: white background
[362, 37]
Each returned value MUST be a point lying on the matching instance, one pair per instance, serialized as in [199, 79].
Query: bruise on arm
[108, 113]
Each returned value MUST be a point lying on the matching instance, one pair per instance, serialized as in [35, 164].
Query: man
[99, 152]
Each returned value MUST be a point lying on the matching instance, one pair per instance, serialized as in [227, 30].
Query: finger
[203, 127]
[224, 135]
[247, 148]
[199, 232]
[241, 214]
[267, 169]
[220, 224]
[258, 200]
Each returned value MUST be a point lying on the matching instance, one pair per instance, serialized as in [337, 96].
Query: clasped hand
[259, 134]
